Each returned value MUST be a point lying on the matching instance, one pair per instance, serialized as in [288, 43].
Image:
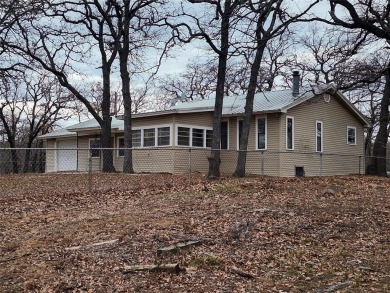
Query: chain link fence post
[321, 162]
[90, 175]
[190, 166]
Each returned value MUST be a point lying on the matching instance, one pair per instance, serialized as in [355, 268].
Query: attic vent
[327, 98]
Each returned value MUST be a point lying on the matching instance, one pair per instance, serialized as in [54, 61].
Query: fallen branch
[335, 287]
[93, 245]
[241, 273]
[178, 246]
[171, 268]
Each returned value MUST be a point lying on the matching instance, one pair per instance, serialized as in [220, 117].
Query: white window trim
[89, 146]
[191, 127]
[155, 136]
[238, 132]
[354, 128]
[266, 132]
[322, 137]
[293, 133]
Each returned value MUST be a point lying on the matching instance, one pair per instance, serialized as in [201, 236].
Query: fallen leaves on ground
[258, 234]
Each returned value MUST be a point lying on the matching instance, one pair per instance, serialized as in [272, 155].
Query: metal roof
[93, 124]
[263, 102]
[272, 101]
[58, 133]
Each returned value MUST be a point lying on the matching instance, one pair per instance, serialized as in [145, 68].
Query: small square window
[351, 135]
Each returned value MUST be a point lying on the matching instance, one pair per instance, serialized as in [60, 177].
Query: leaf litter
[255, 234]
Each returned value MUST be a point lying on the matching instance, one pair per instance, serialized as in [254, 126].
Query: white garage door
[67, 155]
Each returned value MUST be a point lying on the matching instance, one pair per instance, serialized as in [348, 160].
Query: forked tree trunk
[214, 159]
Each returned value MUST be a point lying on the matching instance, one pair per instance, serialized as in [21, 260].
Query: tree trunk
[27, 159]
[380, 144]
[128, 152]
[214, 159]
[105, 139]
[243, 144]
[125, 77]
[14, 158]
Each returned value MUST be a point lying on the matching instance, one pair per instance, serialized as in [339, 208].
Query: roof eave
[167, 112]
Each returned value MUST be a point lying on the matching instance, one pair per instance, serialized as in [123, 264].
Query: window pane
[224, 135]
[209, 137]
[261, 133]
[164, 136]
[149, 137]
[94, 146]
[183, 136]
[136, 138]
[197, 137]
[289, 133]
[319, 137]
[351, 136]
[121, 145]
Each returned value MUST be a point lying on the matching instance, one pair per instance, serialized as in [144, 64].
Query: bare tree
[30, 105]
[372, 16]
[270, 20]
[66, 34]
[216, 29]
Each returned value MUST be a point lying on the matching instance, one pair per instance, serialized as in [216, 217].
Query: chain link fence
[183, 161]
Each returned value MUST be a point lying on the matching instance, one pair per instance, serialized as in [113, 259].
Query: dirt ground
[256, 234]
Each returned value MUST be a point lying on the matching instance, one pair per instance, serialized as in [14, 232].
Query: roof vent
[296, 80]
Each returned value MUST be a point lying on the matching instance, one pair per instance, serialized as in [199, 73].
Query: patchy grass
[292, 235]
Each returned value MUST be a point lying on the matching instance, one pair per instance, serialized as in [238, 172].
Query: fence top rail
[186, 148]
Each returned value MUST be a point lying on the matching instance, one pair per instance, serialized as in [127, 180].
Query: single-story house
[315, 131]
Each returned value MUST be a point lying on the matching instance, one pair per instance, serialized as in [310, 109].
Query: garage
[67, 155]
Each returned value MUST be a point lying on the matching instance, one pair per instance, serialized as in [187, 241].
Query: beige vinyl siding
[50, 156]
[335, 118]
[204, 119]
[147, 121]
[198, 158]
[232, 133]
[262, 163]
[273, 125]
[83, 155]
[153, 160]
[146, 160]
